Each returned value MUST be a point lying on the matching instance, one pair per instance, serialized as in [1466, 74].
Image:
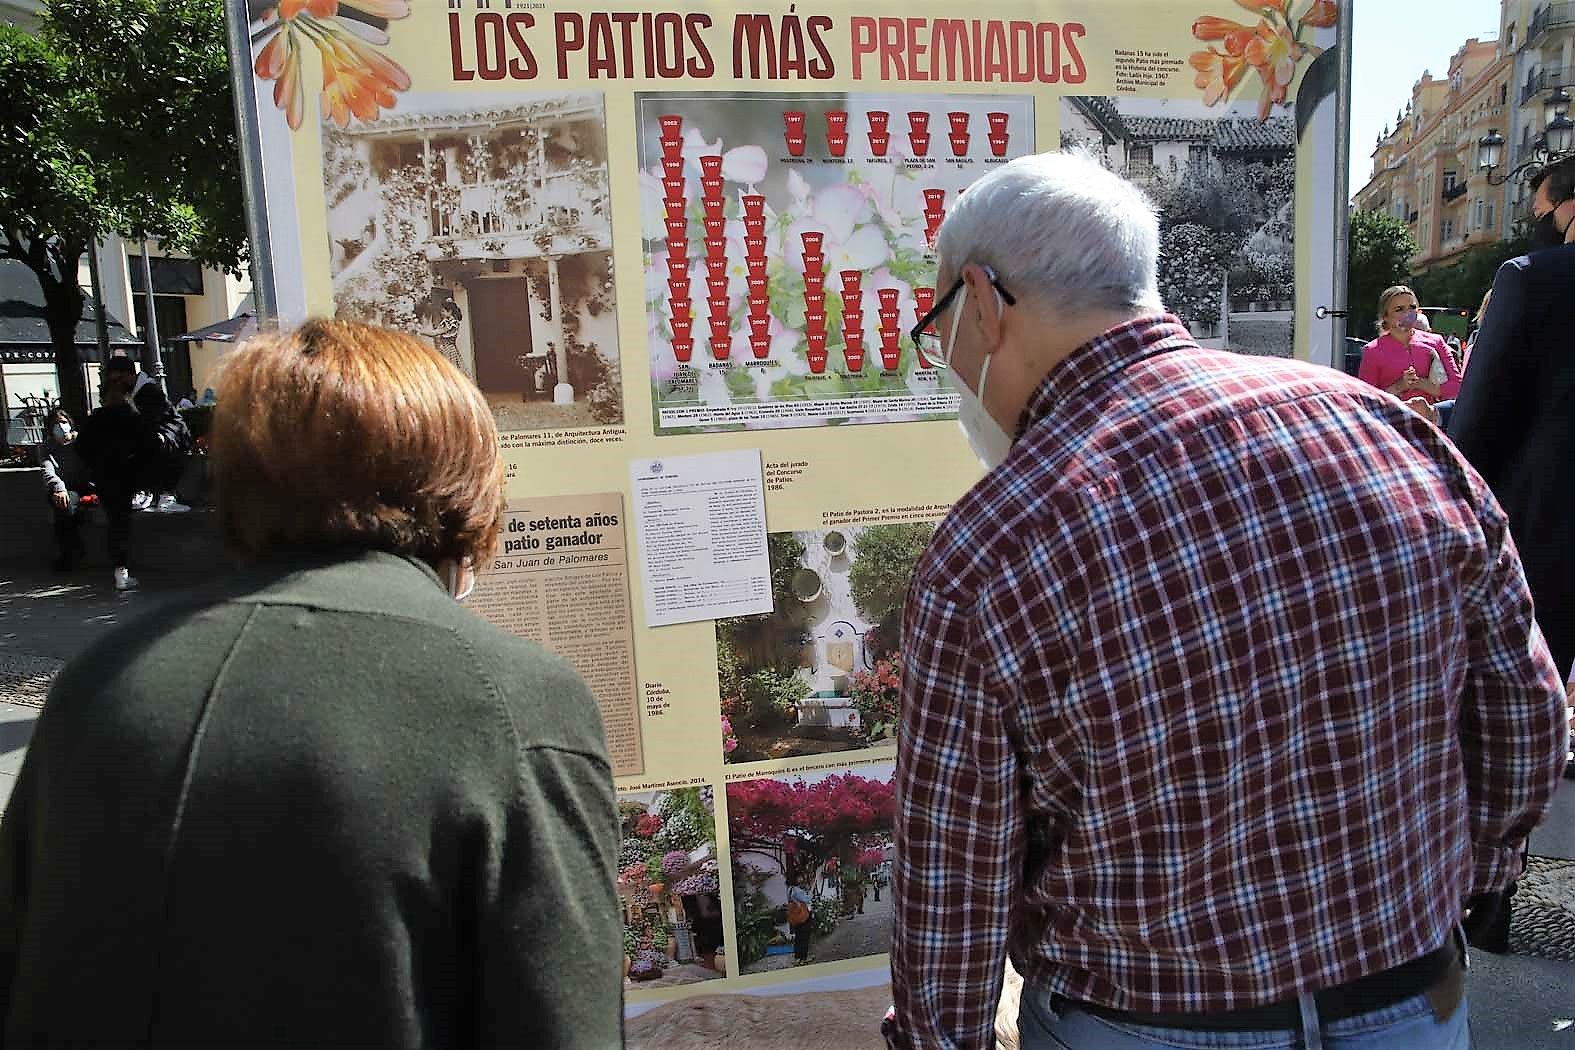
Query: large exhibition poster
[680, 251]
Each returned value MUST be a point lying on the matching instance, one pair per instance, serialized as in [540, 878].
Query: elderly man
[1222, 693]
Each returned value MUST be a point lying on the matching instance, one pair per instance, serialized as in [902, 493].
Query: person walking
[109, 443]
[1226, 702]
[65, 479]
[321, 803]
[165, 441]
[801, 918]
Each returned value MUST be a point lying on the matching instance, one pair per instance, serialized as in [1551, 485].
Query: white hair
[1060, 228]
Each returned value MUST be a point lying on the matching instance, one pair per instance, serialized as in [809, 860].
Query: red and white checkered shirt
[1224, 687]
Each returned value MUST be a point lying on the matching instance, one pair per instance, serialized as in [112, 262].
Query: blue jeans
[1407, 1025]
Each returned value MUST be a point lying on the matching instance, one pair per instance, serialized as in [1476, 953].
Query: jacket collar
[1109, 352]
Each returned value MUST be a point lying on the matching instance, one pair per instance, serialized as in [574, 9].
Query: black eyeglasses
[927, 340]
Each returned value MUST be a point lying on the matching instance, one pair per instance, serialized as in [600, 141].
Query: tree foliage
[883, 561]
[1380, 247]
[1463, 282]
[835, 817]
[1192, 263]
[118, 120]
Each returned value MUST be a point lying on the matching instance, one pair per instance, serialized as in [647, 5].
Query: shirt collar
[1110, 351]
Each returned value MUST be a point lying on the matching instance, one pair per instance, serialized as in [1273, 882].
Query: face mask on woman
[62, 434]
[1407, 319]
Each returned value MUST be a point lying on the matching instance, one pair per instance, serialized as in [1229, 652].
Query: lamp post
[1554, 144]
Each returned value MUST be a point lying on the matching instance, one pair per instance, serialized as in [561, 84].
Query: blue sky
[1393, 44]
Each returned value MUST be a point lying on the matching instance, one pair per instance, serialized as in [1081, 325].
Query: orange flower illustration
[1273, 48]
[1234, 35]
[1323, 15]
[358, 80]
[1274, 53]
[1218, 74]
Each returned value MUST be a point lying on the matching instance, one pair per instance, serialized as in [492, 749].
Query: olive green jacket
[322, 806]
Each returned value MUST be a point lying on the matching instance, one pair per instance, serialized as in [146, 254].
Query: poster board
[688, 242]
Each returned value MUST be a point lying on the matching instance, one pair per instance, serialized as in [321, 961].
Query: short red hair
[340, 433]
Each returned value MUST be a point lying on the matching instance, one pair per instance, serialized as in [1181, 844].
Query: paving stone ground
[25, 677]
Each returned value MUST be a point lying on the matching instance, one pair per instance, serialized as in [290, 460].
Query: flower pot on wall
[806, 585]
[836, 543]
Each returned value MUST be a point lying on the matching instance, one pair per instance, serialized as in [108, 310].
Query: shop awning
[24, 332]
[237, 329]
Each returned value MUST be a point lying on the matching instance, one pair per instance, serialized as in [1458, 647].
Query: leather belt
[1440, 974]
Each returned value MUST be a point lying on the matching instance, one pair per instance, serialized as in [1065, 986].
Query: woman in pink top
[1402, 359]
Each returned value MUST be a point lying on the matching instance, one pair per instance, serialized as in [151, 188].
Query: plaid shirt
[1222, 688]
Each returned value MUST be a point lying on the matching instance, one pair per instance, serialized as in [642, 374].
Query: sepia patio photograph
[486, 231]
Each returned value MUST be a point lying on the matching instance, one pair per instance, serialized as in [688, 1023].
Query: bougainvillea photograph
[828, 831]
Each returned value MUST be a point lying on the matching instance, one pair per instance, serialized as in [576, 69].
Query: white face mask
[989, 441]
[62, 434]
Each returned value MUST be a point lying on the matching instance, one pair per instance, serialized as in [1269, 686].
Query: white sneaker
[124, 581]
[169, 505]
[142, 501]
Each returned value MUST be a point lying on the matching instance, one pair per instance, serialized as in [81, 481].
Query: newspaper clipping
[562, 579]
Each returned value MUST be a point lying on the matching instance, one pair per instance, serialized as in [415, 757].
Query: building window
[1448, 230]
[170, 276]
[1197, 155]
[1477, 213]
[1503, 93]
[1449, 181]
[1490, 215]
[1141, 156]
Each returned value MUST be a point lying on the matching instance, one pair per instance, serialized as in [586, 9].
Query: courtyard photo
[486, 231]
[828, 833]
[1224, 182]
[669, 888]
[821, 672]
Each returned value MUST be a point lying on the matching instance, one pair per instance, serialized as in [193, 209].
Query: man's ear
[989, 320]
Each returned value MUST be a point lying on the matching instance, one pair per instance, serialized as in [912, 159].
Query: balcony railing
[566, 201]
[1554, 16]
[1455, 192]
[1413, 217]
[1545, 80]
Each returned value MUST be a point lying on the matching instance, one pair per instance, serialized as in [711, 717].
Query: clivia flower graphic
[1272, 48]
[358, 80]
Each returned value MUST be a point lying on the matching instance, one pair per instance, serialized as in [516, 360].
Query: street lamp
[1560, 135]
[1555, 143]
[1490, 151]
[1557, 105]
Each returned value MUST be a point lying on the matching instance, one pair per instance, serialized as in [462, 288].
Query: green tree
[1379, 248]
[1463, 282]
[883, 561]
[118, 119]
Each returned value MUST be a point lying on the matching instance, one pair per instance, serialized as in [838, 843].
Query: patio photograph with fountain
[820, 673]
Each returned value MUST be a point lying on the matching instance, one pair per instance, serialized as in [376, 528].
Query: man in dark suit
[1513, 418]
[1514, 421]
